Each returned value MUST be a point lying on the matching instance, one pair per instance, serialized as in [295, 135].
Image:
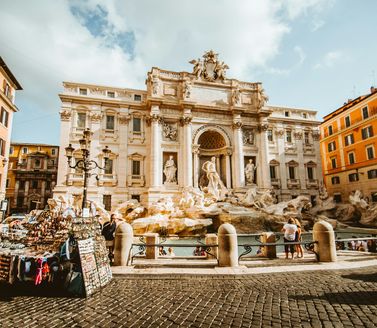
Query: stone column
[228, 169]
[263, 173]
[211, 239]
[195, 149]
[187, 148]
[123, 244]
[43, 191]
[323, 234]
[151, 251]
[228, 246]
[65, 131]
[316, 136]
[16, 188]
[95, 149]
[26, 193]
[121, 168]
[268, 251]
[238, 156]
[156, 161]
[300, 159]
[281, 151]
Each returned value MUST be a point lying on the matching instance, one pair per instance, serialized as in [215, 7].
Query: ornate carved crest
[298, 135]
[124, 119]
[96, 117]
[210, 68]
[248, 137]
[169, 131]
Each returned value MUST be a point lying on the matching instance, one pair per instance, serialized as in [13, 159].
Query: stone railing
[322, 244]
[293, 183]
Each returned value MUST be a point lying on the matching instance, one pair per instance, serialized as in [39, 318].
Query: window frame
[134, 119]
[352, 155]
[330, 130]
[349, 139]
[334, 163]
[347, 121]
[367, 148]
[136, 169]
[335, 180]
[78, 115]
[83, 91]
[365, 114]
[288, 136]
[353, 177]
[107, 122]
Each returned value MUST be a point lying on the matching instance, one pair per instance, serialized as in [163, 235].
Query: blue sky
[308, 53]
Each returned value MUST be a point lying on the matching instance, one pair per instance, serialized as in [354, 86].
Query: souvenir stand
[53, 251]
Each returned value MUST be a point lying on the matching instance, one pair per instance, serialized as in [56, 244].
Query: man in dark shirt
[108, 231]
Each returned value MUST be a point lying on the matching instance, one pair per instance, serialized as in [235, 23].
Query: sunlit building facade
[349, 148]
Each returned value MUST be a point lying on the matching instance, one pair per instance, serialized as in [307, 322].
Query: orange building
[8, 87]
[349, 148]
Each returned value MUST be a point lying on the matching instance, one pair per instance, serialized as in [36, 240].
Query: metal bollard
[228, 246]
[325, 247]
[123, 244]
[268, 251]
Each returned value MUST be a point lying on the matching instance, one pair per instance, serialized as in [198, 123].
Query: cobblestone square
[342, 298]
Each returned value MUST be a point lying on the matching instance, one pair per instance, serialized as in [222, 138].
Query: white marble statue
[250, 169]
[187, 89]
[198, 67]
[170, 170]
[215, 186]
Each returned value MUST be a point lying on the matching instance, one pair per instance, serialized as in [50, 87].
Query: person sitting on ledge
[171, 251]
[197, 251]
[161, 251]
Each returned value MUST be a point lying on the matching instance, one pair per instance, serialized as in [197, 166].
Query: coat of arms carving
[209, 68]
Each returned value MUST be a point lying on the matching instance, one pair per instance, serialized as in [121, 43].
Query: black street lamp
[86, 164]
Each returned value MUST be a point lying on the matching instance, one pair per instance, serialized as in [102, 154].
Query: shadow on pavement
[8, 292]
[358, 298]
[366, 277]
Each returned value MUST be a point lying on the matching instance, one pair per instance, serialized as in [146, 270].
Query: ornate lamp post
[85, 163]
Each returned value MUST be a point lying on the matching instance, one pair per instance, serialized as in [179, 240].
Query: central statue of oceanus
[215, 186]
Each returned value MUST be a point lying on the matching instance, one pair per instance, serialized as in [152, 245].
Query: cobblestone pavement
[343, 298]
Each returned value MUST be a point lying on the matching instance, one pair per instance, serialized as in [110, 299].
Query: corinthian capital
[65, 115]
[154, 118]
[185, 120]
[237, 125]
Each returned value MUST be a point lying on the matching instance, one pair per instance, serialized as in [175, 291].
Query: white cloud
[329, 59]
[44, 43]
[296, 8]
[301, 54]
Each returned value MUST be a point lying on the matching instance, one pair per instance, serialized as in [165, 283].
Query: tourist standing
[289, 230]
[299, 249]
[108, 231]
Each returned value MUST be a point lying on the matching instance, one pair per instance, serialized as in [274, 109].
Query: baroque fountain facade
[198, 148]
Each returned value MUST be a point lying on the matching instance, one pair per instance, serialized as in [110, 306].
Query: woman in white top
[289, 230]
